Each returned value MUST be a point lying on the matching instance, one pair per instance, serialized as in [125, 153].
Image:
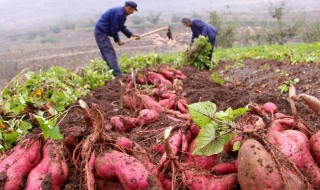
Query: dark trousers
[107, 51]
[212, 42]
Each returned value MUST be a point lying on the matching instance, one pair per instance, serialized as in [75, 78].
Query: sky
[28, 13]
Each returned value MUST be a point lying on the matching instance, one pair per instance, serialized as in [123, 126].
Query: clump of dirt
[256, 81]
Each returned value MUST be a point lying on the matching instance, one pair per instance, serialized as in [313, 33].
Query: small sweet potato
[211, 182]
[225, 168]
[123, 123]
[203, 162]
[229, 146]
[147, 117]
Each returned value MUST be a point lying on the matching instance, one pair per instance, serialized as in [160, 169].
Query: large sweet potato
[257, 170]
[19, 163]
[52, 171]
[294, 145]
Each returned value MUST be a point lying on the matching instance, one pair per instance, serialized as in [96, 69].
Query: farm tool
[167, 28]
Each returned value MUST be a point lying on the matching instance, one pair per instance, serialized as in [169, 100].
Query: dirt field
[247, 84]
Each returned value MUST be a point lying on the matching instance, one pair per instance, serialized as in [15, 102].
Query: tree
[227, 31]
[280, 33]
[311, 32]
[137, 20]
[154, 18]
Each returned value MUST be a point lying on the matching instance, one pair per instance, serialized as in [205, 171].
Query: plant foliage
[216, 127]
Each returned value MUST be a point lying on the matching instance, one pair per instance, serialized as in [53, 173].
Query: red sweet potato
[19, 163]
[167, 103]
[312, 102]
[258, 170]
[175, 143]
[171, 74]
[150, 103]
[204, 162]
[315, 147]
[158, 148]
[270, 107]
[123, 123]
[147, 117]
[295, 146]
[225, 168]
[229, 146]
[138, 152]
[210, 182]
[131, 174]
[158, 79]
[195, 129]
[178, 114]
[52, 171]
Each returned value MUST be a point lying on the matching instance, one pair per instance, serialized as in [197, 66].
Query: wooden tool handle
[148, 33]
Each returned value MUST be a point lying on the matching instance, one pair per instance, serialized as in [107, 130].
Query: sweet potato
[158, 148]
[229, 146]
[157, 79]
[315, 147]
[171, 74]
[295, 146]
[137, 151]
[15, 166]
[167, 103]
[210, 182]
[147, 117]
[257, 169]
[203, 162]
[131, 174]
[52, 171]
[150, 103]
[270, 107]
[195, 129]
[175, 143]
[312, 102]
[123, 123]
[226, 168]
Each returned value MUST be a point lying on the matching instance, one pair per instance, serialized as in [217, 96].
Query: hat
[131, 4]
[185, 20]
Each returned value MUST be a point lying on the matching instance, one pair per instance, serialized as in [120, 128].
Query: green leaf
[238, 112]
[236, 146]
[10, 139]
[202, 112]
[207, 144]
[55, 133]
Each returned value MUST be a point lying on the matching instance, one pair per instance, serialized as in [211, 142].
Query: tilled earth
[257, 81]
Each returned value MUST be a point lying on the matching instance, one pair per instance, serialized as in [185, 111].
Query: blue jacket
[199, 27]
[112, 21]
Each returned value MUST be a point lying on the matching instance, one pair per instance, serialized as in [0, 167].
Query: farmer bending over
[199, 27]
[109, 24]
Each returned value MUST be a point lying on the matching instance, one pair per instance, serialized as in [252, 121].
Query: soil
[257, 81]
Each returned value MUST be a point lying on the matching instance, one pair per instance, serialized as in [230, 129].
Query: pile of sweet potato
[277, 151]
